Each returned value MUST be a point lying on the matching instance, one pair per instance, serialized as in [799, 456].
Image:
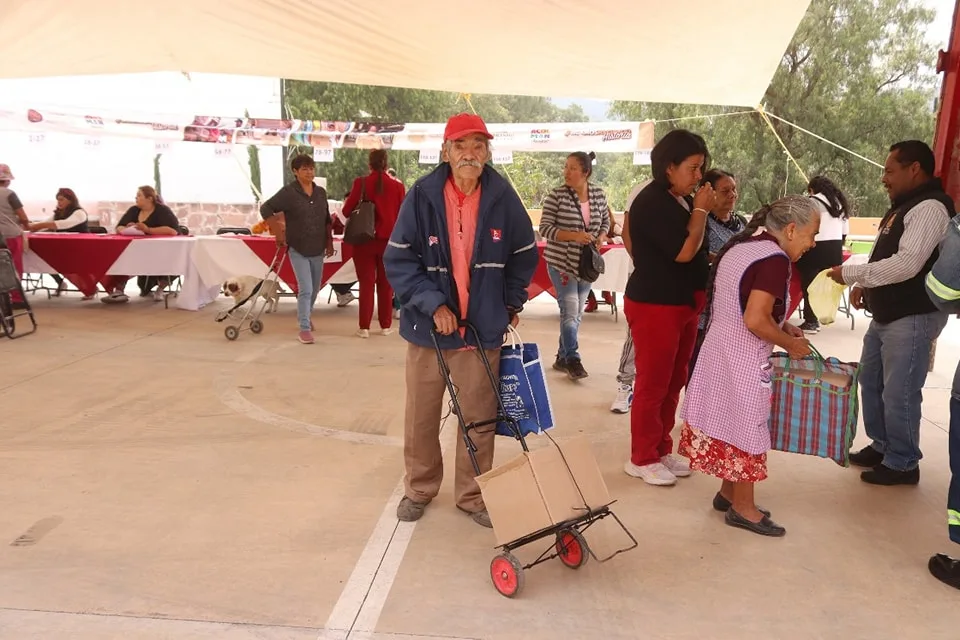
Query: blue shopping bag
[523, 388]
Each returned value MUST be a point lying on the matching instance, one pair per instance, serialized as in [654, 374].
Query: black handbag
[591, 263]
[362, 223]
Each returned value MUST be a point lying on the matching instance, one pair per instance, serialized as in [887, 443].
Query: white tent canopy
[687, 51]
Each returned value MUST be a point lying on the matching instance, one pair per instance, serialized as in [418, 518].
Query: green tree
[349, 102]
[857, 72]
[253, 160]
[156, 174]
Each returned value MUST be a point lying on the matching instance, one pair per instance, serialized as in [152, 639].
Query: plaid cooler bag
[814, 406]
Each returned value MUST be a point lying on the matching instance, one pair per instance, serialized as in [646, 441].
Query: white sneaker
[386, 332]
[158, 296]
[655, 474]
[624, 399]
[363, 333]
[345, 299]
[677, 466]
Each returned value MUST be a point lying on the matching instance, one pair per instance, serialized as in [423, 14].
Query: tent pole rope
[782, 143]
[764, 113]
[822, 139]
[701, 117]
[466, 97]
[786, 177]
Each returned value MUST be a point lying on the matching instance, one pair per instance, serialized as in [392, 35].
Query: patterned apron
[728, 397]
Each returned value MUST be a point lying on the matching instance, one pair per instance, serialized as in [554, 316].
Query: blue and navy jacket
[943, 281]
[418, 265]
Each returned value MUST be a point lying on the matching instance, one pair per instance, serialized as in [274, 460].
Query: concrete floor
[158, 481]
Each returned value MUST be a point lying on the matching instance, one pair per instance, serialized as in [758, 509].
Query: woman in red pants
[664, 297]
[13, 222]
[386, 193]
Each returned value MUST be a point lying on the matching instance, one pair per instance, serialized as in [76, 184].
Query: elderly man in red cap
[463, 249]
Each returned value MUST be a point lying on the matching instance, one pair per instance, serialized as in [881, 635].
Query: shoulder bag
[361, 225]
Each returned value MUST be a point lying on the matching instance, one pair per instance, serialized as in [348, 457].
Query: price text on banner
[323, 155]
[429, 156]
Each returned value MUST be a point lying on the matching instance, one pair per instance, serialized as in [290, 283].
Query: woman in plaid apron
[727, 405]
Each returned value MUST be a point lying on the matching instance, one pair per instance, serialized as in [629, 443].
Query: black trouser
[823, 256]
[342, 289]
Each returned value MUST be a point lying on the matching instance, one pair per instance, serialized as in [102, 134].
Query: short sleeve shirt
[771, 275]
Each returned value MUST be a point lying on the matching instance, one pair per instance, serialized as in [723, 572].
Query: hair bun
[592, 156]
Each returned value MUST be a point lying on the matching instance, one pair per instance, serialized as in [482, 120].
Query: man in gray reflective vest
[943, 287]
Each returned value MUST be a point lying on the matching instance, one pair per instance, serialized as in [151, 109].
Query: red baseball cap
[463, 124]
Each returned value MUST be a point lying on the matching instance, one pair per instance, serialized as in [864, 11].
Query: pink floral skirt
[719, 459]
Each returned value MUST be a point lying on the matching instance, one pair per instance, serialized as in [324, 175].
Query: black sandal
[945, 569]
[722, 504]
[766, 526]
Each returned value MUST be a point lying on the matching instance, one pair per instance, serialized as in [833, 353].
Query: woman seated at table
[70, 217]
[153, 219]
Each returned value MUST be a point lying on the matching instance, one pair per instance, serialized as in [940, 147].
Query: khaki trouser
[425, 407]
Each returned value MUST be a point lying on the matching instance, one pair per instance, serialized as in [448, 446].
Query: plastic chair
[240, 231]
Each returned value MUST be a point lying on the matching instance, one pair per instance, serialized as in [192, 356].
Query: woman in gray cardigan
[574, 215]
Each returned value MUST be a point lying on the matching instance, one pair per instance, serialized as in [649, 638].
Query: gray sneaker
[575, 369]
[481, 517]
[410, 511]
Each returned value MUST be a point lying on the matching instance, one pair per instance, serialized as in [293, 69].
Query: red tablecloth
[541, 279]
[82, 259]
[266, 248]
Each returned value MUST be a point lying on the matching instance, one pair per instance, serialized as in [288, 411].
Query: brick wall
[201, 219]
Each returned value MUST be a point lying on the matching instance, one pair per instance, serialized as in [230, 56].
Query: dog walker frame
[249, 320]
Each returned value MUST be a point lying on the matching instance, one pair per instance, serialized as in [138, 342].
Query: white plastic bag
[824, 295]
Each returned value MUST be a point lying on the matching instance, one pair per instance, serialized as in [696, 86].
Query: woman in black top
[153, 218]
[70, 217]
[828, 252]
[664, 297]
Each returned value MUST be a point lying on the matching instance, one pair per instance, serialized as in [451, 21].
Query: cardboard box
[842, 380]
[541, 488]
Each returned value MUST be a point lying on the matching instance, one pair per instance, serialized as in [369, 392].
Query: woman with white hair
[726, 407]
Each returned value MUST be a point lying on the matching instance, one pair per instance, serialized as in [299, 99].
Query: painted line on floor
[226, 390]
[361, 602]
[38, 623]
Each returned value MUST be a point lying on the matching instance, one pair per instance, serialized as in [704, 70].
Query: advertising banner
[601, 137]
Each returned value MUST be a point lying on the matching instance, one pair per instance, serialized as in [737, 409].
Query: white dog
[240, 287]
